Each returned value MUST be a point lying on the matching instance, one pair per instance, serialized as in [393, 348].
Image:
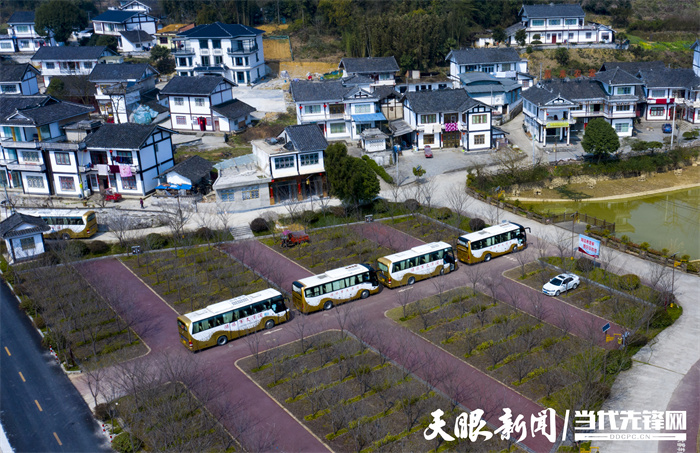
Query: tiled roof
[115, 16]
[369, 65]
[37, 110]
[670, 78]
[21, 17]
[193, 86]
[483, 55]
[306, 91]
[234, 109]
[632, 67]
[385, 91]
[552, 10]
[15, 72]
[617, 76]
[450, 100]
[135, 36]
[73, 53]
[306, 137]
[193, 168]
[76, 86]
[510, 31]
[7, 226]
[576, 89]
[120, 136]
[120, 72]
[172, 28]
[539, 95]
[219, 30]
[357, 79]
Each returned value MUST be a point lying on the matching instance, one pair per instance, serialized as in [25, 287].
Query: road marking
[23, 380]
[272, 331]
[405, 289]
[57, 439]
[39, 406]
[8, 351]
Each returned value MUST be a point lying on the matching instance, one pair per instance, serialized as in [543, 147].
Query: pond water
[670, 220]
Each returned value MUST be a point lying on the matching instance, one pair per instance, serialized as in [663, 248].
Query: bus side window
[338, 285]
[327, 288]
[259, 307]
[219, 320]
[228, 317]
[395, 267]
[196, 326]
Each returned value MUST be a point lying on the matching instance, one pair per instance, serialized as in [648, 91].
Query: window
[30, 156]
[67, 183]
[308, 159]
[507, 67]
[87, 64]
[487, 68]
[163, 40]
[205, 61]
[98, 157]
[129, 183]
[182, 62]
[480, 139]
[621, 127]
[657, 111]
[35, 182]
[284, 162]
[238, 61]
[337, 128]
[27, 243]
[226, 195]
[181, 120]
[22, 28]
[179, 101]
[203, 43]
[428, 139]
[571, 36]
[427, 119]
[588, 35]
[570, 21]
[657, 94]
[218, 60]
[216, 44]
[9, 88]
[312, 109]
[5, 45]
[49, 65]
[537, 22]
[364, 108]
[622, 108]
[250, 193]
[554, 22]
[605, 36]
[479, 119]
[125, 157]
[336, 109]
[62, 158]
[199, 102]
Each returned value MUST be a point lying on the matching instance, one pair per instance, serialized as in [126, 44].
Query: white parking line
[272, 331]
[405, 289]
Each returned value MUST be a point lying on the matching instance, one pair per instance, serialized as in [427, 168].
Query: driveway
[264, 100]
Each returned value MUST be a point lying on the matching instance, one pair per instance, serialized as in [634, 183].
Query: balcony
[26, 166]
[9, 143]
[217, 52]
[242, 49]
[204, 52]
[63, 146]
[183, 51]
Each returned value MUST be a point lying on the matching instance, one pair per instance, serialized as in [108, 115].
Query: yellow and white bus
[66, 223]
[418, 263]
[507, 237]
[224, 321]
[334, 287]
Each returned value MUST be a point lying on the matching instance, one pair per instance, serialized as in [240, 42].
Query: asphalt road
[40, 408]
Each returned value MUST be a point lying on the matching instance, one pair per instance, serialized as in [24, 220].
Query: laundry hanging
[102, 170]
[124, 171]
[114, 169]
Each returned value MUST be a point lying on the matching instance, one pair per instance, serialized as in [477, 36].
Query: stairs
[241, 232]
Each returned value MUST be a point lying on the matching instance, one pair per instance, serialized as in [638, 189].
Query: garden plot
[425, 229]
[351, 397]
[519, 350]
[78, 322]
[193, 278]
[331, 248]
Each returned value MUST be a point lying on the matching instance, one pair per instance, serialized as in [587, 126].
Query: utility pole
[673, 124]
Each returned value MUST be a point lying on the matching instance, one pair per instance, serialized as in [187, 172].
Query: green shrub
[476, 224]
[644, 246]
[77, 248]
[156, 241]
[381, 206]
[629, 282]
[443, 213]
[529, 49]
[204, 233]
[691, 135]
[39, 322]
[338, 211]
[584, 265]
[536, 42]
[661, 319]
[102, 412]
[126, 443]
[378, 169]
[618, 360]
[310, 217]
[411, 204]
[637, 340]
[625, 239]
[685, 258]
[259, 225]
[98, 247]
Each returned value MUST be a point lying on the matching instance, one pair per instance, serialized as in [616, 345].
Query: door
[202, 123]
[554, 38]
[450, 139]
[216, 125]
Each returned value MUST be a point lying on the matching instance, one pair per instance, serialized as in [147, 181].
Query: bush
[637, 340]
[378, 169]
[204, 233]
[338, 211]
[661, 319]
[584, 265]
[529, 49]
[259, 225]
[127, 443]
[98, 247]
[644, 246]
[102, 412]
[77, 248]
[381, 206]
[536, 43]
[629, 282]
[156, 241]
[411, 204]
[443, 213]
[476, 224]
[309, 217]
[625, 239]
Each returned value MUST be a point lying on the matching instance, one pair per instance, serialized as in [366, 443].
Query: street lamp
[673, 275]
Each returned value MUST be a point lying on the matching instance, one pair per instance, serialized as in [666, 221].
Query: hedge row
[378, 169]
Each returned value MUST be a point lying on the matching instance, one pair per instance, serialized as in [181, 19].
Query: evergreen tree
[600, 138]
[61, 17]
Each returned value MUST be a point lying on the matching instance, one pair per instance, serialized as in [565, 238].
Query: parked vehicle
[507, 237]
[334, 287]
[292, 238]
[418, 263]
[428, 151]
[667, 128]
[111, 195]
[561, 284]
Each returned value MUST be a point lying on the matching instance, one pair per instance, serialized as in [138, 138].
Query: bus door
[449, 258]
[373, 277]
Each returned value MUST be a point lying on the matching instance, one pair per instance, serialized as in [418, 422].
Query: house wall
[45, 190]
[232, 195]
[15, 244]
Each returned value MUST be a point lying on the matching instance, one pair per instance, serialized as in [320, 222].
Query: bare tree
[459, 201]
[300, 326]
[475, 274]
[121, 224]
[175, 215]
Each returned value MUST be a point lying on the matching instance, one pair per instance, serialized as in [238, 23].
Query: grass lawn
[426, 229]
[676, 46]
[214, 155]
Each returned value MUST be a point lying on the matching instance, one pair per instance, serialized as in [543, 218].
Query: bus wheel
[328, 305]
[269, 324]
[515, 249]
[65, 236]
[411, 280]
[487, 258]
[364, 294]
[222, 340]
[442, 271]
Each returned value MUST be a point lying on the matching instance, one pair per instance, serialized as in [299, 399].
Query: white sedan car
[560, 284]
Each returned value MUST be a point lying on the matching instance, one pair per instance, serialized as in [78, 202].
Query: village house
[671, 93]
[558, 24]
[502, 63]
[205, 103]
[69, 60]
[38, 158]
[233, 51]
[380, 70]
[24, 236]
[191, 175]
[448, 119]
[167, 35]
[133, 29]
[119, 88]
[18, 79]
[416, 81]
[132, 5]
[284, 169]
[498, 93]
[21, 35]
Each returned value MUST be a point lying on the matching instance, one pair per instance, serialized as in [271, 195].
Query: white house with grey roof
[448, 119]
[24, 236]
[69, 60]
[379, 70]
[205, 103]
[233, 51]
[18, 79]
[671, 92]
[502, 63]
[115, 22]
[558, 24]
[21, 35]
[119, 88]
[498, 93]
